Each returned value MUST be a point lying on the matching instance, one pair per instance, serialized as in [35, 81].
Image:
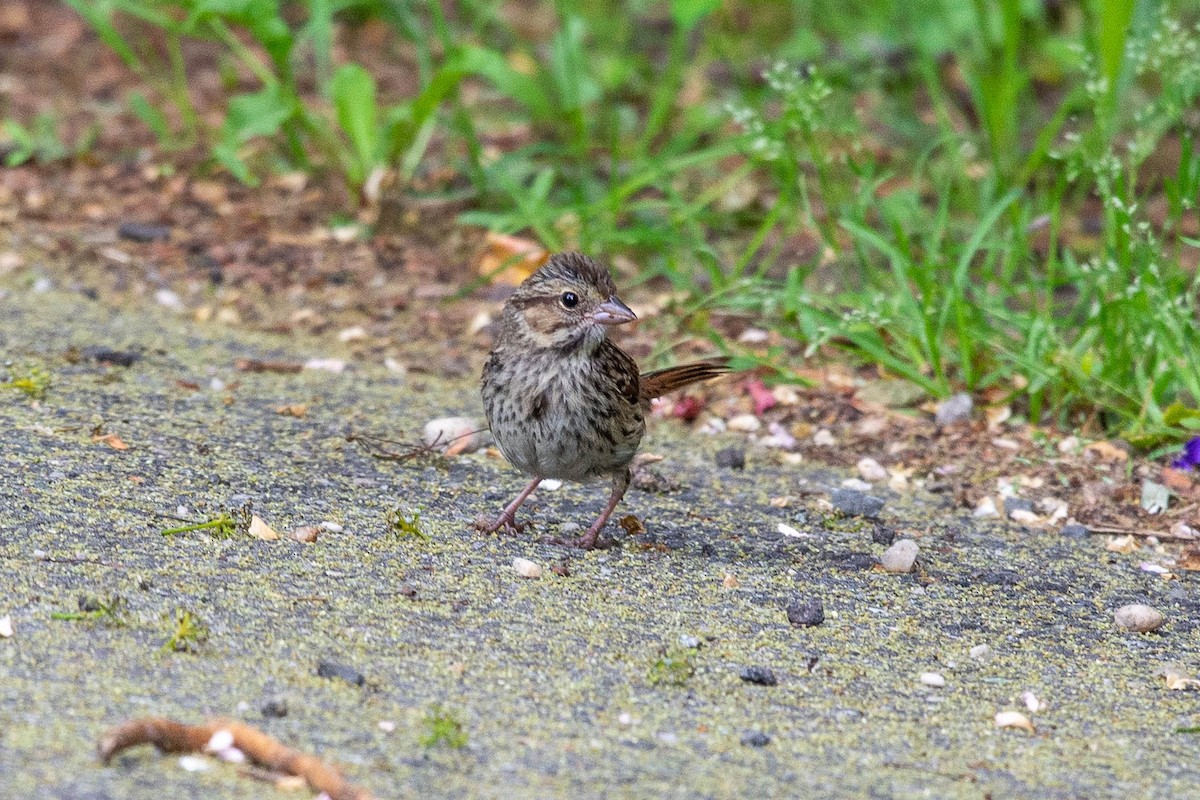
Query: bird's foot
[505, 523]
[590, 540]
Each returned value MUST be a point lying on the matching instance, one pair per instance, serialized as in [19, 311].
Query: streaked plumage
[562, 400]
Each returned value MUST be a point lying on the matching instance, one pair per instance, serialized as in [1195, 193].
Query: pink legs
[508, 517]
[591, 535]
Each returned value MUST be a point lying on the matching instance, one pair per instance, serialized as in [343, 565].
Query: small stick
[1109, 530]
[170, 736]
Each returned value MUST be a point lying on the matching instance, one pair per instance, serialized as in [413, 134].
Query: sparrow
[561, 399]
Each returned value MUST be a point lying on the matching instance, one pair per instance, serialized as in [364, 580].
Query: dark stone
[275, 708]
[106, 355]
[854, 503]
[762, 676]
[334, 669]
[882, 534]
[143, 232]
[755, 739]
[806, 612]
[1075, 531]
[1012, 504]
[853, 561]
[732, 457]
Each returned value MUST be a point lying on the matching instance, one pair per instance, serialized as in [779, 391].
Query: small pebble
[1013, 719]
[1075, 531]
[1014, 504]
[761, 676]
[143, 232]
[980, 652]
[731, 458]
[687, 640]
[305, 533]
[1138, 618]
[168, 298]
[744, 423]
[334, 365]
[824, 438]
[387, 726]
[526, 568]
[6, 627]
[357, 333]
[334, 669]
[755, 739]
[275, 708]
[806, 612]
[854, 503]
[986, 508]
[107, 355]
[901, 556]
[871, 470]
[954, 409]
[332, 527]
[625, 718]
[933, 679]
[194, 763]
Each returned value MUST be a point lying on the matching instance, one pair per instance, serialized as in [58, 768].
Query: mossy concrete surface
[552, 679]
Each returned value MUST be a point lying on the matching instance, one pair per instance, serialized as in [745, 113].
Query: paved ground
[550, 678]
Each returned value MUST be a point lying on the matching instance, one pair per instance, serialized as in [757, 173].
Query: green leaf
[1179, 414]
[354, 99]
[688, 13]
[254, 114]
[151, 116]
[226, 153]
[98, 14]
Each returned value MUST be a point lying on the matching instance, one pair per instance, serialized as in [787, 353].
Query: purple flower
[1191, 456]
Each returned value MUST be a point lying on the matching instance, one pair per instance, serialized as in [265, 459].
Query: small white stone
[332, 527]
[356, 333]
[42, 285]
[217, 385]
[1069, 444]
[6, 627]
[625, 718]
[871, 470]
[395, 367]
[168, 298]
[901, 556]
[334, 365]
[221, 740]
[479, 322]
[194, 763]
[526, 568]
[785, 395]
[980, 652]
[550, 485]
[387, 726]
[1138, 618]
[788, 530]
[744, 423]
[824, 438]
[754, 336]
[857, 485]
[1024, 516]
[1013, 719]
[933, 679]
[986, 508]
[1032, 702]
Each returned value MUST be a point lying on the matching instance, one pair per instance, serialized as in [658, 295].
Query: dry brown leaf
[730, 581]
[1014, 719]
[1177, 678]
[297, 410]
[509, 259]
[110, 439]
[632, 525]
[1107, 452]
[261, 530]
[1190, 560]
[1123, 544]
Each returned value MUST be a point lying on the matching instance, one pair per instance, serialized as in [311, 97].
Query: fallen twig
[221, 737]
[1113, 530]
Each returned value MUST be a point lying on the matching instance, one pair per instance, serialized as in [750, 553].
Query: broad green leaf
[688, 13]
[259, 113]
[354, 99]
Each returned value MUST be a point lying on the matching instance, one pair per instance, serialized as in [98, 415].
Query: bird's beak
[613, 312]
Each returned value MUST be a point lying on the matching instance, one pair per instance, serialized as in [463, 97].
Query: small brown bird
[562, 400]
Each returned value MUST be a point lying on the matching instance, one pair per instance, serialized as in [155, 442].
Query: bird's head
[567, 304]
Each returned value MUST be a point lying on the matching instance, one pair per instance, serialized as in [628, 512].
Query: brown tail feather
[662, 381]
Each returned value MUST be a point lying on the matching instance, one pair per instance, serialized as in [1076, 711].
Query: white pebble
[168, 298]
[550, 485]
[934, 679]
[1013, 719]
[785, 395]
[824, 438]
[1032, 702]
[979, 652]
[625, 718]
[6, 627]
[901, 556]
[754, 336]
[1138, 617]
[387, 726]
[857, 485]
[986, 508]
[332, 527]
[194, 763]
[334, 365]
[744, 423]
[871, 470]
[356, 333]
[788, 530]
[526, 568]
[395, 367]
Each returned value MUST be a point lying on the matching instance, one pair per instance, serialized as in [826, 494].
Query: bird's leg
[620, 483]
[508, 517]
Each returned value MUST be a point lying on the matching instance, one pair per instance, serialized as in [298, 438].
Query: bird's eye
[569, 299]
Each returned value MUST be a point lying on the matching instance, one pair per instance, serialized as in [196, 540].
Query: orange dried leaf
[110, 439]
[509, 259]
